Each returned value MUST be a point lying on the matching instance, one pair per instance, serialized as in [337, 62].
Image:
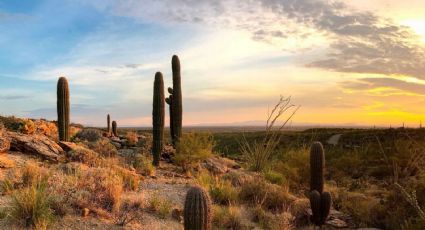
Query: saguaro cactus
[197, 210]
[317, 165]
[108, 121]
[158, 113]
[177, 99]
[320, 201]
[63, 109]
[114, 128]
[169, 101]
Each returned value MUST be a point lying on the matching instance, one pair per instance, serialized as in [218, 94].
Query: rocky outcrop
[67, 146]
[38, 145]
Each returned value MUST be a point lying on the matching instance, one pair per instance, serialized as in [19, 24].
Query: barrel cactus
[320, 201]
[158, 118]
[114, 128]
[108, 122]
[177, 109]
[197, 210]
[63, 109]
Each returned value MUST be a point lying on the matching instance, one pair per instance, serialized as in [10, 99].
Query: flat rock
[67, 146]
[39, 145]
[4, 144]
[215, 166]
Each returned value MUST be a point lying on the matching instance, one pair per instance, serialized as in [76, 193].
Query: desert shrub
[27, 126]
[104, 147]
[131, 138]
[31, 173]
[6, 162]
[128, 212]
[204, 179]
[84, 155]
[295, 167]
[274, 177]
[98, 188]
[271, 197]
[90, 135]
[193, 148]
[143, 165]
[223, 192]
[129, 178]
[160, 205]
[30, 206]
[11, 123]
[227, 217]
[268, 220]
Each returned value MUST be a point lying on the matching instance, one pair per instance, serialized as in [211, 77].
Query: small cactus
[114, 128]
[317, 165]
[320, 201]
[108, 121]
[177, 99]
[320, 207]
[63, 109]
[197, 210]
[158, 118]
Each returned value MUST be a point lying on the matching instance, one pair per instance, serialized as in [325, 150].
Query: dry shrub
[128, 212]
[6, 162]
[84, 155]
[11, 123]
[96, 188]
[90, 135]
[143, 165]
[132, 138]
[268, 220]
[27, 126]
[104, 147]
[30, 206]
[193, 148]
[271, 197]
[130, 179]
[160, 205]
[46, 128]
[227, 217]
[295, 167]
[223, 192]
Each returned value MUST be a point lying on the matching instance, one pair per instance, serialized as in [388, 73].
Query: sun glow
[418, 25]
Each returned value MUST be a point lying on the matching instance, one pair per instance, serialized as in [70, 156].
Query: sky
[352, 62]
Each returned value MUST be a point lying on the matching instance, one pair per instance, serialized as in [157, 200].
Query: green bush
[274, 177]
[193, 148]
[223, 192]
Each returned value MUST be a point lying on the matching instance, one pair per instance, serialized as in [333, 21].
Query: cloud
[13, 97]
[390, 84]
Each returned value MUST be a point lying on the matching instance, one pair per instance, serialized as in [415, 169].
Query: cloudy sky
[356, 62]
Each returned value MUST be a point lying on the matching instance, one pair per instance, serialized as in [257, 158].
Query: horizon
[344, 62]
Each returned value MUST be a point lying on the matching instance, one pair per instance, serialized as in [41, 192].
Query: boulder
[39, 145]
[67, 146]
[4, 144]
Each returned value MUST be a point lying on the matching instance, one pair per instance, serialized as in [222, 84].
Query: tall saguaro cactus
[114, 128]
[158, 113]
[320, 201]
[177, 109]
[169, 101]
[63, 109]
[108, 121]
[197, 210]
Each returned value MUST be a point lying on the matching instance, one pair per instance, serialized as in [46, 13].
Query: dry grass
[143, 165]
[84, 155]
[128, 212]
[6, 162]
[90, 135]
[131, 138]
[104, 147]
[227, 217]
[160, 205]
[223, 192]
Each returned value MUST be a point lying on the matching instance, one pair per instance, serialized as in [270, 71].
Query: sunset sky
[353, 62]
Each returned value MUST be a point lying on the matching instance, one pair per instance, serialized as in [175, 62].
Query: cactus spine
[177, 107]
[114, 128]
[158, 114]
[63, 109]
[197, 210]
[320, 201]
[108, 120]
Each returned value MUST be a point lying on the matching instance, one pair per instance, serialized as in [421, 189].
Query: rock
[177, 214]
[337, 223]
[36, 144]
[67, 146]
[4, 144]
[85, 212]
[116, 144]
[215, 166]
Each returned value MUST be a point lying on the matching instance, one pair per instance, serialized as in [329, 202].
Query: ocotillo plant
[177, 99]
[114, 128]
[158, 117]
[63, 109]
[197, 210]
[108, 121]
[320, 201]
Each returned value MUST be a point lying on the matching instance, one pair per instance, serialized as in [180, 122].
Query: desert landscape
[212, 114]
